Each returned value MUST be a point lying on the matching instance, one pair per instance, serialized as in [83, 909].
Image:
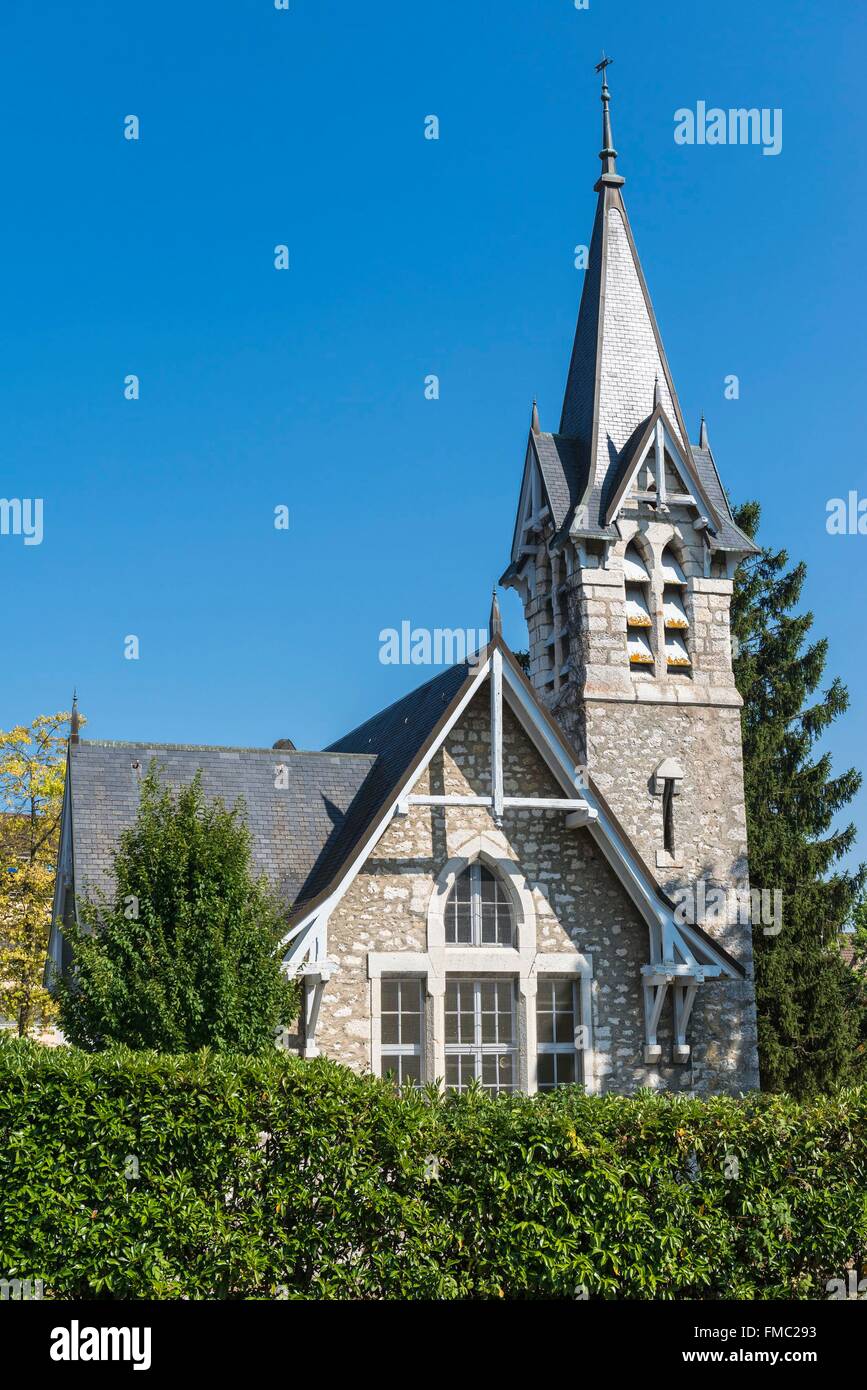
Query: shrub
[140, 1175]
[185, 954]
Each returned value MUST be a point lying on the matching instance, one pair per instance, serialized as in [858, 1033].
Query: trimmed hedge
[271, 1177]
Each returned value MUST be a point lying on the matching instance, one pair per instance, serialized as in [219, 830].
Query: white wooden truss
[681, 959]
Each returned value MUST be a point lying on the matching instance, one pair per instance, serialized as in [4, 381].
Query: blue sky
[408, 257]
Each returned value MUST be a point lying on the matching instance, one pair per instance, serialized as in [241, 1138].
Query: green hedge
[270, 1177]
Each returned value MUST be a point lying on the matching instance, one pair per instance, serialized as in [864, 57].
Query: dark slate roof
[292, 828]
[624, 464]
[397, 736]
[304, 834]
[563, 465]
[576, 419]
[728, 536]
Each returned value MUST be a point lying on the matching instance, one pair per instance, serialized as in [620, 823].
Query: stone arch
[486, 850]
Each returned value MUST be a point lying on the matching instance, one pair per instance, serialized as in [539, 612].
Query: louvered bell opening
[637, 612]
[671, 571]
[673, 611]
[676, 654]
[634, 568]
[638, 647]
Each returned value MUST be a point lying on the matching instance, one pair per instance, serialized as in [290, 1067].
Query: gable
[466, 757]
[508, 689]
[637, 461]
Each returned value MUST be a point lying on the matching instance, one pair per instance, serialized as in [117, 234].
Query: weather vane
[606, 63]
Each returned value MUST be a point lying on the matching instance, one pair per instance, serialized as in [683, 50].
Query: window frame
[400, 1050]
[474, 871]
[479, 1049]
[560, 1049]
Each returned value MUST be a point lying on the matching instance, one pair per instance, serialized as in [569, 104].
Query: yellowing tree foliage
[32, 770]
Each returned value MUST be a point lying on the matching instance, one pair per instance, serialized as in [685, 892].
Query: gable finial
[657, 394]
[74, 719]
[702, 433]
[608, 153]
[495, 625]
[534, 419]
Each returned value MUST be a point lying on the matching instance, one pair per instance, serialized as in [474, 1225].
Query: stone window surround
[522, 962]
[651, 541]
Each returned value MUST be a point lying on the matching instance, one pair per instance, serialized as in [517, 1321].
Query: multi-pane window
[478, 910]
[481, 1038]
[401, 1031]
[556, 1020]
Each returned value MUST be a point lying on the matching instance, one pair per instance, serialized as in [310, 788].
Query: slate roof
[563, 465]
[302, 834]
[397, 736]
[292, 828]
[729, 536]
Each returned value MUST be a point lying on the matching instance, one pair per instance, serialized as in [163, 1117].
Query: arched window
[479, 910]
[639, 623]
[674, 613]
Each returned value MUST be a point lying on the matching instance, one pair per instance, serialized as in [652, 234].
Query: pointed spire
[74, 719]
[703, 442]
[534, 419]
[495, 625]
[608, 153]
[601, 409]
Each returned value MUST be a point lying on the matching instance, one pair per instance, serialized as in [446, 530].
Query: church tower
[624, 553]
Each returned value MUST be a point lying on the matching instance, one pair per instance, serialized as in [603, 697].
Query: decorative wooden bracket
[684, 982]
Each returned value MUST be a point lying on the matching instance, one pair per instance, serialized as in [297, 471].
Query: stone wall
[577, 899]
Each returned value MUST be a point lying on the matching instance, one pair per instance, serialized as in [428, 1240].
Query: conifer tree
[184, 953]
[812, 1008]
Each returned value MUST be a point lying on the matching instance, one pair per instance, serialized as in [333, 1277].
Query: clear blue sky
[408, 257]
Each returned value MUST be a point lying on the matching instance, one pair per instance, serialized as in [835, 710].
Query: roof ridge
[416, 690]
[214, 748]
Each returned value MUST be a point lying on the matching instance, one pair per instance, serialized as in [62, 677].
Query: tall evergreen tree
[184, 954]
[812, 1008]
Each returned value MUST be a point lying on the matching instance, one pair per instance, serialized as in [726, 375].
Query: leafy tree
[184, 954]
[812, 1008]
[32, 769]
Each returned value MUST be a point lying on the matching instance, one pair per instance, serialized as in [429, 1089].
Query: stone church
[486, 881]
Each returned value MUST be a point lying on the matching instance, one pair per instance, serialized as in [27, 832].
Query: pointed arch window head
[479, 910]
[639, 622]
[634, 569]
[672, 571]
[674, 613]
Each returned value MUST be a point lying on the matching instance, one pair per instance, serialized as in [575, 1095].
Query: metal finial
[74, 719]
[608, 153]
[495, 626]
